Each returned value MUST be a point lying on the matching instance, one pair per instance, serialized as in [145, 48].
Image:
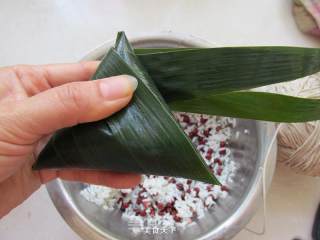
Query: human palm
[35, 101]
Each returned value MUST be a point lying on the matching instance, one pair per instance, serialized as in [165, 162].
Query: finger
[48, 76]
[58, 74]
[105, 178]
[70, 104]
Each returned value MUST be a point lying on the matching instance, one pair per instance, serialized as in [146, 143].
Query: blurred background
[51, 31]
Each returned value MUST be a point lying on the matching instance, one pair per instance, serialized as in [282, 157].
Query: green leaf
[219, 71]
[186, 73]
[252, 105]
[143, 51]
[142, 138]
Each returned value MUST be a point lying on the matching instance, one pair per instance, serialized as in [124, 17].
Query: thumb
[73, 103]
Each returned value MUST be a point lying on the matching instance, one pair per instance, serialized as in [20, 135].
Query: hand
[35, 101]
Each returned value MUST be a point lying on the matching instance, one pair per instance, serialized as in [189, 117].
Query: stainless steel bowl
[230, 215]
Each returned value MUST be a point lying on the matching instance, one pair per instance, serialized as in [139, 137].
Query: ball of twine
[299, 143]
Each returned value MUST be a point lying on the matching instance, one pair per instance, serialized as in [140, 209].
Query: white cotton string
[264, 169]
[299, 143]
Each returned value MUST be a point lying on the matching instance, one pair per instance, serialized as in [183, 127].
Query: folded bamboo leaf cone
[143, 138]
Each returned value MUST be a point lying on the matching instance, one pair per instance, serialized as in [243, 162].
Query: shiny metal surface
[230, 215]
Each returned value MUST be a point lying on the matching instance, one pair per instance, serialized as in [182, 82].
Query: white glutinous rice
[176, 202]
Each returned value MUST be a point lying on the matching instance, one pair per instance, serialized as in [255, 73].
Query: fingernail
[118, 87]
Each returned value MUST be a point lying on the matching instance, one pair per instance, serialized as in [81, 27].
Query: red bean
[203, 120]
[177, 218]
[193, 133]
[180, 186]
[172, 180]
[206, 132]
[143, 213]
[218, 128]
[224, 188]
[218, 161]
[223, 152]
[185, 119]
[222, 144]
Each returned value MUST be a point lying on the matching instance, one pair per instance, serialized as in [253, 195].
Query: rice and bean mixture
[172, 201]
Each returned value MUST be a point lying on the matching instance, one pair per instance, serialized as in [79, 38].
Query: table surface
[48, 31]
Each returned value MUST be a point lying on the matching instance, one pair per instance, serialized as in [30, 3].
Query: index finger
[53, 75]
[58, 74]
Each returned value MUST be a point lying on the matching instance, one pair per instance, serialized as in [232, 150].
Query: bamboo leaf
[143, 138]
[253, 105]
[186, 73]
[143, 51]
[240, 68]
